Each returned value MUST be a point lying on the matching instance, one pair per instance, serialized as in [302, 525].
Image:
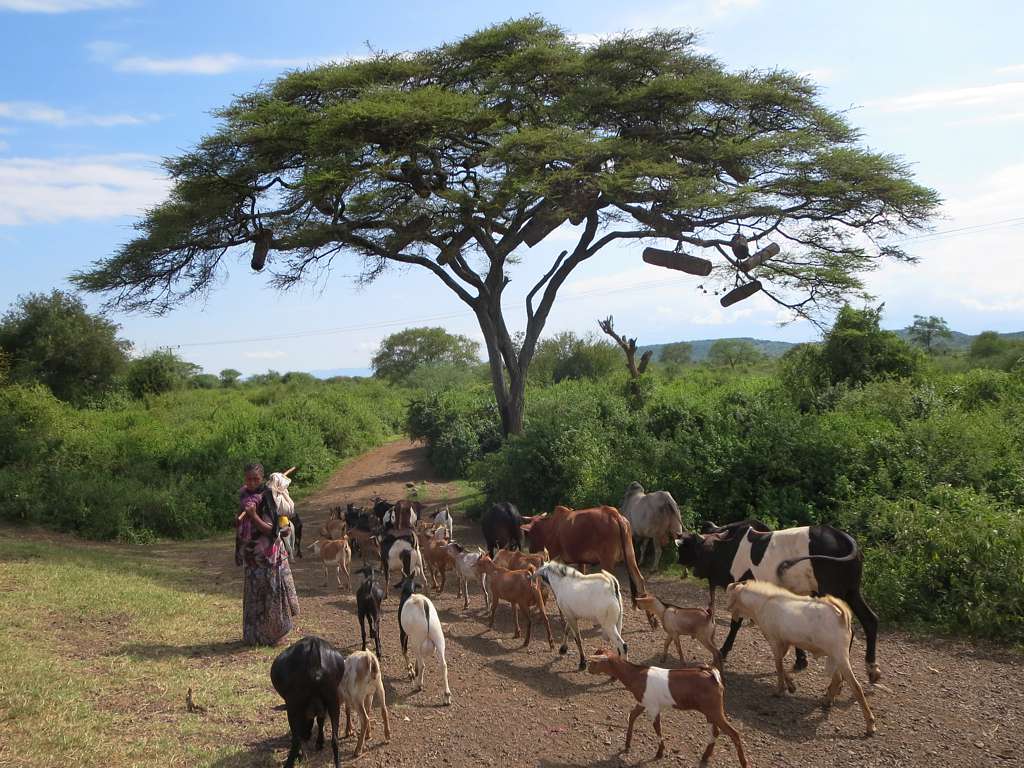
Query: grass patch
[98, 648]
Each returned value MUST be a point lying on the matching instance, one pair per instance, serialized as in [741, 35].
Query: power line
[957, 231]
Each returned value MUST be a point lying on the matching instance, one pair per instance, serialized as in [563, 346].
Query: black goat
[307, 675]
[368, 599]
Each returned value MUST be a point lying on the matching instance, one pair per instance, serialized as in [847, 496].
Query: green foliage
[158, 372]
[994, 351]
[204, 381]
[568, 356]
[52, 339]
[952, 559]
[677, 353]
[733, 352]
[459, 426]
[229, 377]
[402, 353]
[926, 472]
[928, 331]
[170, 466]
[857, 350]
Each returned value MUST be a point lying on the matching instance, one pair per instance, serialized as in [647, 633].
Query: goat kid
[520, 589]
[656, 690]
[362, 688]
[698, 623]
[465, 569]
[334, 553]
[368, 599]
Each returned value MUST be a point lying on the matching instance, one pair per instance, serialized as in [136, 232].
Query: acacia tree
[926, 331]
[456, 159]
[733, 352]
[400, 354]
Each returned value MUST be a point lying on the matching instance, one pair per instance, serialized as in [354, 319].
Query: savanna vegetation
[921, 458]
[95, 442]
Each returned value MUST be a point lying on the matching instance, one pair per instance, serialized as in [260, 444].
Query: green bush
[952, 560]
[170, 465]
[459, 427]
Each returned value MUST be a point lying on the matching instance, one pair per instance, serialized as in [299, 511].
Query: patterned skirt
[268, 603]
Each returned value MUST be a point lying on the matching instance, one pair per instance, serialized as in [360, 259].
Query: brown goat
[698, 623]
[436, 558]
[362, 687]
[656, 690]
[516, 560]
[518, 588]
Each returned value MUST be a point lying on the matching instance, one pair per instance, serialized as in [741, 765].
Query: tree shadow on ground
[556, 678]
[160, 651]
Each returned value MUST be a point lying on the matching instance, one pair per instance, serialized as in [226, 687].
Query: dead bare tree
[628, 346]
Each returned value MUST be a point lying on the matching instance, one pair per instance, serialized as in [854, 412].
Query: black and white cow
[809, 560]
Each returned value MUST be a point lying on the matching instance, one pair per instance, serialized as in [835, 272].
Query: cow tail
[618, 598]
[854, 553]
[629, 557]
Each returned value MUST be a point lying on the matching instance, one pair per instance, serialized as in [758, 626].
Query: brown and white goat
[465, 569]
[335, 553]
[656, 689]
[518, 588]
[361, 688]
[698, 623]
[820, 625]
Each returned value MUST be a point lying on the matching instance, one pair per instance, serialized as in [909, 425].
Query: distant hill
[701, 347]
[959, 342]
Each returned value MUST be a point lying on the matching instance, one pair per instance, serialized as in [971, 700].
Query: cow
[307, 675]
[654, 517]
[809, 560]
[598, 536]
[502, 527]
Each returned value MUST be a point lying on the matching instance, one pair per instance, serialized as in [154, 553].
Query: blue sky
[96, 91]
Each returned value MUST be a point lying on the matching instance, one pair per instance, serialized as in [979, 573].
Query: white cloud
[213, 64]
[265, 354]
[979, 95]
[61, 6]
[1003, 117]
[57, 189]
[34, 112]
[1013, 69]
[105, 50]
[716, 315]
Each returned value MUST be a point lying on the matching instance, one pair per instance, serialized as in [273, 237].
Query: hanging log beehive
[693, 265]
[741, 292]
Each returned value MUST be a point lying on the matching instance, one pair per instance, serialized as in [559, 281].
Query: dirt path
[941, 703]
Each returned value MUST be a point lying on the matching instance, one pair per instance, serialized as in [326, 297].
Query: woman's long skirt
[268, 604]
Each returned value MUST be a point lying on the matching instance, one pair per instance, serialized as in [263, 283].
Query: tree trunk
[508, 378]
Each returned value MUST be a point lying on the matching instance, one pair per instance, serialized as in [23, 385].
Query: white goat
[821, 625]
[594, 596]
[420, 627]
[465, 568]
[361, 688]
[395, 564]
[444, 517]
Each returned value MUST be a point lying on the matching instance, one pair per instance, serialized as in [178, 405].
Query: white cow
[653, 517]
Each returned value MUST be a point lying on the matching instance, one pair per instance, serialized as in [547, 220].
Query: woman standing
[268, 597]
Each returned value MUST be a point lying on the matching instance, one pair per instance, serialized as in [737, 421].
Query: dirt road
[941, 703]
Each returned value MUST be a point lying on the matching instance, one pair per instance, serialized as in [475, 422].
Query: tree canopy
[53, 339]
[928, 331]
[400, 354]
[733, 352]
[455, 159]
[676, 353]
[159, 372]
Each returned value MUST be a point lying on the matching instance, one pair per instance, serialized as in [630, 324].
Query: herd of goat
[800, 586]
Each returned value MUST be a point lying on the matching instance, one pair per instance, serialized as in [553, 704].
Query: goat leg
[633, 715]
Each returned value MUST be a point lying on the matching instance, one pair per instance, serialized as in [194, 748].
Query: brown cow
[598, 536]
